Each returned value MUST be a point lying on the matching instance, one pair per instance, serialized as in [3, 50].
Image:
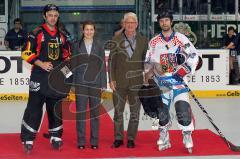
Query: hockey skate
[28, 146]
[164, 141]
[56, 143]
[187, 140]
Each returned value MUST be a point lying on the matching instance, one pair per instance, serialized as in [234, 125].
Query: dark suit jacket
[124, 70]
[91, 70]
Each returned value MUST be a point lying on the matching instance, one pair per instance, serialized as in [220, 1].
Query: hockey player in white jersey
[170, 58]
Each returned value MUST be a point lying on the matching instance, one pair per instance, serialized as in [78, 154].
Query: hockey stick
[230, 145]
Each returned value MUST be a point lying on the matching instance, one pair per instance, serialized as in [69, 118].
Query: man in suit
[125, 74]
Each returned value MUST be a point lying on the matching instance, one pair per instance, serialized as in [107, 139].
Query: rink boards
[211, 81]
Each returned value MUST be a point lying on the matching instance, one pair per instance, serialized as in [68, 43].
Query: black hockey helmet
[165, 14]
[49, 7]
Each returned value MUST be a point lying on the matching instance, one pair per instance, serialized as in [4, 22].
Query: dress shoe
[81, 147]
[94, 147]
[117, 143]
[130, 144]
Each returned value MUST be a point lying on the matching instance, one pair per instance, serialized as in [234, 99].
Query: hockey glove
[181, 71]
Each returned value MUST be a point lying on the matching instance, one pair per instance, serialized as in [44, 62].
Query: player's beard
[166, 28]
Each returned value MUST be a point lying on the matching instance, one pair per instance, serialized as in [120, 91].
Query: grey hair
[130, 14]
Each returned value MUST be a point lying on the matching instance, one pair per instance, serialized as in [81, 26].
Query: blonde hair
[130, 14]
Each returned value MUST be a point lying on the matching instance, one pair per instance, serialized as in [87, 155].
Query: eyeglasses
[130, 22]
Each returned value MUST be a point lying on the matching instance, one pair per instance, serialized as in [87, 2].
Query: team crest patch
[53, 51]
[168, 62]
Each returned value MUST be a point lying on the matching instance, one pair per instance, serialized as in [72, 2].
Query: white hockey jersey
[171, 52]
[165, 55]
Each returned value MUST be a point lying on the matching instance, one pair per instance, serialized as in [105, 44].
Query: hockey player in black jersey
[45, 49]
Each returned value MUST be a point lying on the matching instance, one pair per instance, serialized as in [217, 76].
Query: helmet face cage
[165, 14]
[49, 7]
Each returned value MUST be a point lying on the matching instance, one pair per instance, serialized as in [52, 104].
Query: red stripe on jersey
[39, 43]
[66, 51]
[62, 38]
[33, 56]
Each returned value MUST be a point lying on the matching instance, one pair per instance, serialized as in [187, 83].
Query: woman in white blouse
[90, 79]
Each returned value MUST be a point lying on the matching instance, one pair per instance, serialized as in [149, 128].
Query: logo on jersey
[168, 62]
[34, 86]
[53, 50]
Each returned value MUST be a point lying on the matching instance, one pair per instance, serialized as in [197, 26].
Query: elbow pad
[28, 56]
